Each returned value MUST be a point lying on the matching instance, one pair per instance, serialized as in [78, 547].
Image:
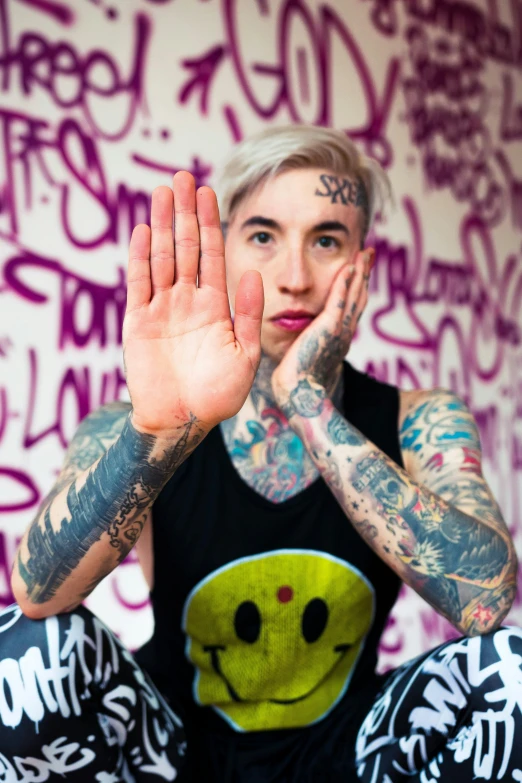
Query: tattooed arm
[188, 367]
[97, 509]
[436, 523]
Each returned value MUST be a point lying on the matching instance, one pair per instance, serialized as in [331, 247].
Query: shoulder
[434, 403]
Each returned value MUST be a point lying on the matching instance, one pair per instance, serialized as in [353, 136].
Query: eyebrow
[259, 220]
[326, 225]
[331, 225]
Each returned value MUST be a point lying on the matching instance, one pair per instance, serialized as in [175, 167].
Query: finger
[186, 231]
[355, 292]
[336, 302]
[248, 313]
[139, 286]
[161, 243]
[212, 259]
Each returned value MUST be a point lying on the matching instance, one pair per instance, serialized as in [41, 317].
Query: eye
[260, 238]
[314, 620]
[247, 622]
[327, 242]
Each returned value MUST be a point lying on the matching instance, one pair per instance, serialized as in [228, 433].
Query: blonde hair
[275, 150]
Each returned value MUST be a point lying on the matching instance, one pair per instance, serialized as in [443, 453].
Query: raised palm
[184, 356]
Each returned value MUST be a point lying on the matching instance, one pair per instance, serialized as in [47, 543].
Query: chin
[276, 352]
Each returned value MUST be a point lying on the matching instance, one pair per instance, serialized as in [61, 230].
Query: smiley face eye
[247, 622]
[315, 618]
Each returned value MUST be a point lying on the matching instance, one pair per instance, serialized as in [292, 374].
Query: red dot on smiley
[285, 594]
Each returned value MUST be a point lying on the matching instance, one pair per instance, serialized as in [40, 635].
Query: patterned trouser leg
[75, 705]
[454, 714]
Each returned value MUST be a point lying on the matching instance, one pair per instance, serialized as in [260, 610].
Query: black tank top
[267, 615]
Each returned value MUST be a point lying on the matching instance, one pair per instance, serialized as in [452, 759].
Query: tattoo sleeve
[102, 499]
[443, 536]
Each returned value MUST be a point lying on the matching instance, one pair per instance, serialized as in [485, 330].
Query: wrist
[168, 435]
[306, 400]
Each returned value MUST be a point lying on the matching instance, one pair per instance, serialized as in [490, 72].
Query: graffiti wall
[103, 100]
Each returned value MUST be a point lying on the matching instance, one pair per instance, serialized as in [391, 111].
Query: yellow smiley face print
[275, 638]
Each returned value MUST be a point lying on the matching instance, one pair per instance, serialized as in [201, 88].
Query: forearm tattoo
[113, 501]
[459, 564]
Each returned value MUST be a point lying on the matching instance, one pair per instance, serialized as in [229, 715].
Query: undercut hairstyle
[277, 150]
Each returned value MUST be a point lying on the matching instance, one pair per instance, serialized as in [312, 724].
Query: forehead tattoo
[343, 190]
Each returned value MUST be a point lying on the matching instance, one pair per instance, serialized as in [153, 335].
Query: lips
[293, 320]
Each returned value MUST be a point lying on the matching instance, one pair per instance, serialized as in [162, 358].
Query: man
[276, 548]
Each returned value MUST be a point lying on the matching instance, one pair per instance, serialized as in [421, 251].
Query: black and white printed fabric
[454, 714]
[75, 706]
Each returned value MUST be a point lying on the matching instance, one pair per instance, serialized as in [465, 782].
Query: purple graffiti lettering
[6, 412]
[199, 170]
[114, 211]
[58, 11]
[41, 64]
[203, 70]
[20, 480]
[233, 123]
[392, 641]
[436, 626]
[511, 113]
[85, 166]
[301, 77]
[516, 453]
[20, 149]
[478, 284]
[445, 103]
[105, 304]
[130, 560]
[7, 552]
[514, 187]
[463, 19]
[373, 133]
[77, 387]
[384, 17]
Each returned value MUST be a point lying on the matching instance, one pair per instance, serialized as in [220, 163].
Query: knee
[18, 632]
[499, 647]
[490, 663]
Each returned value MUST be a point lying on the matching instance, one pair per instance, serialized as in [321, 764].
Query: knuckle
[138, 279]
[189, 243]
[212, 252]
[162, 255]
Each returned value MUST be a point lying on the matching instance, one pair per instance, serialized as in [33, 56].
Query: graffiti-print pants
[75, 705]
[453, 714]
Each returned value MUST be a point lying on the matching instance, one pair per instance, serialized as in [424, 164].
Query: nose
[295, 276]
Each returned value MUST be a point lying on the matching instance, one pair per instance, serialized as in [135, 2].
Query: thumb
[248, 312]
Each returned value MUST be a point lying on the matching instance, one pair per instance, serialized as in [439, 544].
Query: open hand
[315, 357]
[184, 358]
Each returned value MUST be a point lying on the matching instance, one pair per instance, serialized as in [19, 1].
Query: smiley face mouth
[213, 649]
